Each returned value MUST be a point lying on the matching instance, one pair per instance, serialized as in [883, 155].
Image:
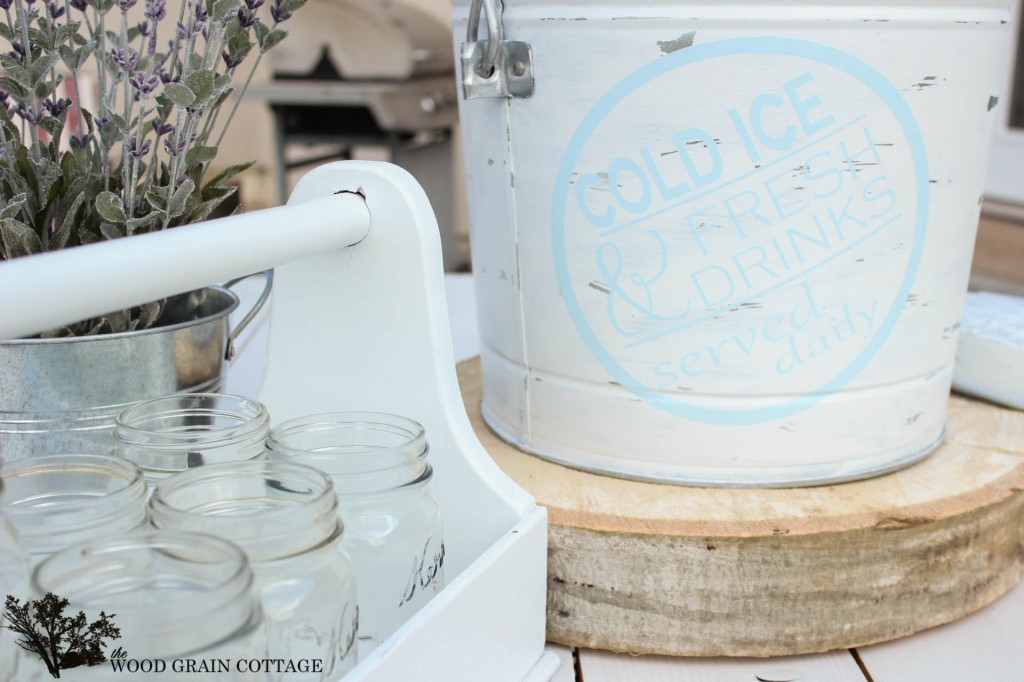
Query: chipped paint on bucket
[725, 249]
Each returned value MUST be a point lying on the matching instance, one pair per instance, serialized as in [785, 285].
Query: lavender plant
[139, 162]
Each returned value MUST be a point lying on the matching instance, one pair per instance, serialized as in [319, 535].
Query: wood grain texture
[649, 568]
[604, 666]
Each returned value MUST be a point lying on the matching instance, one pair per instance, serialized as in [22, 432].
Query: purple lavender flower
[246, 18]
[125, 5]
[138, 148]
[279, 13]
[81, 142]
[143, 27]
[30, 2]
[19, 50]
[56, 107]
[254, 5]
[144, 83]
[175, 147]
[80, 5]
[4, 96]
[231, 62]
[199, 11]
[6, 4]
[126, 58]
[156, 10]
[32, 116]
[166, 77]
[181, 34]
[55, 11]
[162, 127]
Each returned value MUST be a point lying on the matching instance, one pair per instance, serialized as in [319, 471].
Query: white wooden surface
[601, 666]
[986, 645]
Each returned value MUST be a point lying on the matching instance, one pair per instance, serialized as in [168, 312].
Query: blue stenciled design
[632, 289]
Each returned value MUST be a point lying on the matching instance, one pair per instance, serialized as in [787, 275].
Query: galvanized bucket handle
[268, 275]
[494, 67]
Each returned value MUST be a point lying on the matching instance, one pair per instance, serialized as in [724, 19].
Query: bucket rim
[235, 301]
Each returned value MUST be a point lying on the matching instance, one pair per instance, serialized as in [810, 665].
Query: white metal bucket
[727, 243]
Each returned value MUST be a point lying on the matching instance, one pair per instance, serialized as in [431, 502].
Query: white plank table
[987, 646]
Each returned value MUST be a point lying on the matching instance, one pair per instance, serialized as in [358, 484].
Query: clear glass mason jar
[185, 605]
[379, 466]
[284, 516]
[13, 582]
[55, 501]
[178, 432]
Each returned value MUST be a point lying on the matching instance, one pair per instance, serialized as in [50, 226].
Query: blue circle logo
[737, 225]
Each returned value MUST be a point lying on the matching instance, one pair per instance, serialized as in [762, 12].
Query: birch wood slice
[650, 568]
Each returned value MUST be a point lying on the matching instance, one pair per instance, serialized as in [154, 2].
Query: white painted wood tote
[726, 243]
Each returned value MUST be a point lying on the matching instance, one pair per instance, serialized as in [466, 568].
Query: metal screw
[519, 68]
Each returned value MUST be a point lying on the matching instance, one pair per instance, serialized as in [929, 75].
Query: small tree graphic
[61, 641]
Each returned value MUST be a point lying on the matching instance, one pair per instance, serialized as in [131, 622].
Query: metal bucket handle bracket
[494, 67]
[268, 276]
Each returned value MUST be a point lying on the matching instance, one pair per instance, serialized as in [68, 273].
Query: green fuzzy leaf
[136, 225]
[176, 204]
[84, 52]
[119, 122]
[52, 126]
[19, 91]
[261, 31]
[21, 75]
[180, 95]
[290, 6]
[157, 198]
[232, 29]
[228, 173]
[65, 31]
[221, 8]
[198, 155]
[50, 174]
[6, 32]
[222, 83]
[13, 206]
[272, 39]
[18, 239]
[239, 45]
[60, 238]
[6, 60]
[109, 206]
[203, 210]
[42, 66]
[69, 56]
[201, 84]
[44, 89]
[195, 61]
[111, 231]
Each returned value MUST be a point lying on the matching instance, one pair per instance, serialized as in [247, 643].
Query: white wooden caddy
[359, 321]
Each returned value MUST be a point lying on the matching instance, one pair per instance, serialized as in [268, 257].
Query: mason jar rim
[234, 585]
[320, 507]
[134, 490]
[129, 425]
[414, 445]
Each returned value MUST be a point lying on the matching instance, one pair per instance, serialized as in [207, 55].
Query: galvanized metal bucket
[725, 243]
[61, 395]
